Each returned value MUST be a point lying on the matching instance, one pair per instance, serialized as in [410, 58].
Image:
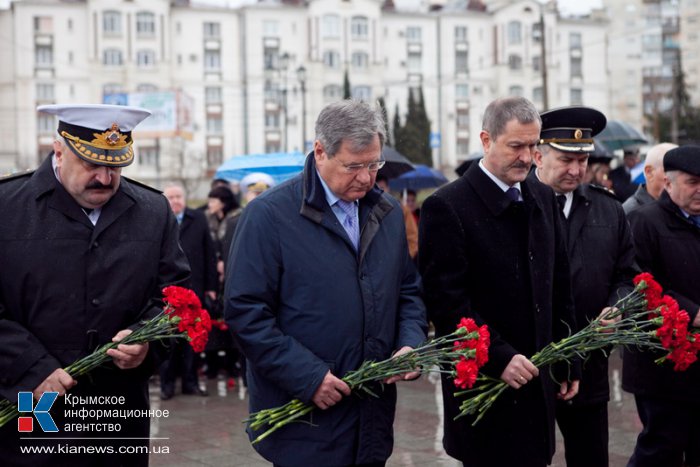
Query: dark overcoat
[301, 301]
[503, 264]
[601, 257]
[667, 245]
[67, 286]
[196, 242]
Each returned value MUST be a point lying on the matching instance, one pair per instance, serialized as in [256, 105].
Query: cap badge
[578, 134]
[110, 138]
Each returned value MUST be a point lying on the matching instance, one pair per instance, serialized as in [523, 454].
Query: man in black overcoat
[85, 254]
[666, 236]
[492, 248]
[196, 242]
[601, 257]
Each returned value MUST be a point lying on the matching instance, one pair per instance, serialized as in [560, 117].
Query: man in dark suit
[198, 246]
[492, 248]
[666, 236]
[601, 257]
[621, 177]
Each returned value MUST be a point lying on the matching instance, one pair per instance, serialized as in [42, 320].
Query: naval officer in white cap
[85, 254]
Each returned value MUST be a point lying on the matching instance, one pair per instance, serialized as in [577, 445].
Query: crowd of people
[320, 273]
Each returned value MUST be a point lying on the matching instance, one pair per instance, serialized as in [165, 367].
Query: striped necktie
[350, 222]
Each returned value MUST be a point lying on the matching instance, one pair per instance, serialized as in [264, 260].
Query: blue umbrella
[279, 165]
[419, 178]
[619, 135]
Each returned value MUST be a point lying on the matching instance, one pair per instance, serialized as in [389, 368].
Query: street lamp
[301, 76]
[283, 64]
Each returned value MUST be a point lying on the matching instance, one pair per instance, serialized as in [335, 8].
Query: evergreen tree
[687, 115]
[385, 116]
[415, 134]
[398, 137]
[347, 91]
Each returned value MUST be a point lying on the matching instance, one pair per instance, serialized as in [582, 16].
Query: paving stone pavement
[207, 431]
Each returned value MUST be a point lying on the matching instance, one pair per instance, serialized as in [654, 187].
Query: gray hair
[174, 184]
[351, 120]
[655, 156]
[501, 111]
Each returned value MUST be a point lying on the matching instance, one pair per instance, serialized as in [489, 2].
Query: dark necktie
[513, 194]
[561, 201]
[695, 220]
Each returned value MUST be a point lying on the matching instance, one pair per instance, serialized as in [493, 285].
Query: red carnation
[467, 371]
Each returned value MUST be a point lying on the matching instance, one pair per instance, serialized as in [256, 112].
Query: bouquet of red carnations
[463, 352]
[645, 318]
[182, 317]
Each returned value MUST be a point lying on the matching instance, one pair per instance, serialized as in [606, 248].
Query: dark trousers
[671, 433]
[180, 362]
[585, 432]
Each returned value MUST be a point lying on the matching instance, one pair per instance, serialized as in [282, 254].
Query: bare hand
[404, 376]
[330, 392]
[607, 322]
[519, 372]
[568, 390]
[696, 321]
[127, 356]
[59, 381]
[211, 294]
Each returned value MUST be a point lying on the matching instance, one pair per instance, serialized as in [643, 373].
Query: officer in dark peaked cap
[601, 258]
[667, 244]
[85, 254]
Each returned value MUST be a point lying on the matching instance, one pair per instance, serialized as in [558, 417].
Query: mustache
[98, 186]
[521, 165]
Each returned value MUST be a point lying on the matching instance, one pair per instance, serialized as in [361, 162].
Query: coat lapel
[115, 207]
[579, 213]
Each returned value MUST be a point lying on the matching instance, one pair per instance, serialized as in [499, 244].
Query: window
[537, 94]
[212, 95]
[43, 24]
[270, 57]
[332, 93]
[45, 124]
[215, 124]
[576, 68]
[576, 96]
[145, 23]
[43, 55]
[359, 27]
[145, 58]
[463, 119]
[330, 26]
[112, 88]
[463, 147]
[331, 59]
[272, 90]
[212, 30]
[414, 62]
[462, 91]
[148, 156]
[112, 57]
[212, 60]
[363, 93]
[271, 28]
[575, 40]
[215, 156]
[461, 61]
[536, 63]
[112, 22]
[272, 120]
[514, 32]
[272, 147]
[360, 60]
[146, 87]
[515, 62]
[515, 91]
[460, 34]
[413, 34]
[44, 92]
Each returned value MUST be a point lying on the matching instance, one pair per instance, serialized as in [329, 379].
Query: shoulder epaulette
[7, 178]
[602, 189]
[141, 184]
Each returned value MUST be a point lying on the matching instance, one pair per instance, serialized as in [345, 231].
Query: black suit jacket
[474, 265]
[196, 242]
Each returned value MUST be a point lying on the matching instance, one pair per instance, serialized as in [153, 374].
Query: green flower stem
[159, 328]
[430, 356]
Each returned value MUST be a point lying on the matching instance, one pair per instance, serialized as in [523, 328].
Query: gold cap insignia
[578, 134]
[110, 139]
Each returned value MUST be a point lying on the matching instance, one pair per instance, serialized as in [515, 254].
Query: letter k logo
[25, 403]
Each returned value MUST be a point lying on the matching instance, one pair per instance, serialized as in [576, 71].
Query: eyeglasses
[355, 168]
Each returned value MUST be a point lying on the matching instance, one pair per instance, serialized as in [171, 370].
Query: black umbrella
[619, 135]
[471, 158]
[396, 163]
[600, 153]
